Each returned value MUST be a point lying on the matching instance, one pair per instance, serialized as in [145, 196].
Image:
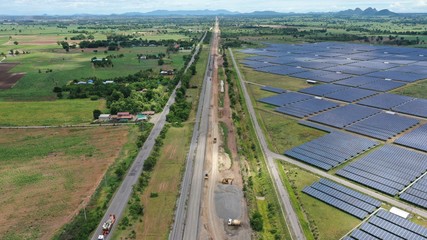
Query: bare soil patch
[39, 193]
[8, 80]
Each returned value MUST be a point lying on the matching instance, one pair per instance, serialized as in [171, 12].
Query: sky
[64, 7]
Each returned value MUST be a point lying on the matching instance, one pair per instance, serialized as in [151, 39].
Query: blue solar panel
[385, 100]
[351, 94]
[281, 70]
[322, 90]
[416, 139]
[357, 81]
[312, 65]
[383, 125]
[316, 126]
[386, 225]
[418, 107]
[398, 76]
[337, 203]
[411, 69]
[306, 108]
[273, 89]
[343, 116]
[383, 85]
[388, 169]
[331, 77]
[331, 150]
[350, 70]
[373, 65]
[285, 98]
[310, 74]
[256, 65]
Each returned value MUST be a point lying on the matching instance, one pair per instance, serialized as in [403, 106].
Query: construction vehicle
[107, 226]
[227, 181]
[233, 222]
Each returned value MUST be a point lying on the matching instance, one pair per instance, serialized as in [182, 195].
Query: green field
[49, 113]
[37, 84]
[418, 90]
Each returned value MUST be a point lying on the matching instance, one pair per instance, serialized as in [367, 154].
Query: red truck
[107, 226]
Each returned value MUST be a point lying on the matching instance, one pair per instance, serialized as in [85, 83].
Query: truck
[107, 226]
[233, 222]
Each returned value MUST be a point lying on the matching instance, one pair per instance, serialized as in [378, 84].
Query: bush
[256, 221]
[94, 97]
[154, 194]
[96, 113]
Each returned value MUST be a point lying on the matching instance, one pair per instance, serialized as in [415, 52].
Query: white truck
[233, 222]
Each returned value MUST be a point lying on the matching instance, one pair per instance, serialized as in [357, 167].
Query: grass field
[418, 90]
[328, 222]
[165, 180]
[47, 175]
[76, 64]
[48, 113]
[284, 133]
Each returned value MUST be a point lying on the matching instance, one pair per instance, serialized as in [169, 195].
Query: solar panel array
[273, 89]
[343, 198]
[285, 98]
[388, 169]
[383, 125]
[316, 126]
[331, 150]
[399, 64]
[322, 90]
[382, 85]
[417, 107]
[351, 94]
[306, 108]
[386, 225]
[385, 101]
[344, 116]
[417, 193]
[416, 139]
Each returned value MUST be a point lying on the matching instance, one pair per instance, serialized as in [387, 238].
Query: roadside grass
[418, 90]
[224, 133]
[196, 81]
[165, 180]
[47, 175]
[326, 221]
[258, 186]
[49, 113]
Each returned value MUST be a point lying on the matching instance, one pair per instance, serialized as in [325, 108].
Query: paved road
[121, 197]
[286, 206]
[319, 172]
[181, 210]
[192, 222]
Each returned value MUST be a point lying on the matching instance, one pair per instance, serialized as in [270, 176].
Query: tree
[160, 62]
[256, 221]
[96, 113]
[16, 43]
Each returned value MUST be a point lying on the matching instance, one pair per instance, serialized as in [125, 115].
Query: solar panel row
[383, 125]
[316, 126]
[306, 108]
[343, 116]
[335, 202]
[331, 150]
[386, 225]
[416, 139]
[417, 193]
[273, 89]
[285, 98]
[384, 169]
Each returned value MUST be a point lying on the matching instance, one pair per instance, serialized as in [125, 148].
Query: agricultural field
[49, 113]
[48, 175]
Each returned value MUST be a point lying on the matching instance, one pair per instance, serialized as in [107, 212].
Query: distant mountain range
[366, 12]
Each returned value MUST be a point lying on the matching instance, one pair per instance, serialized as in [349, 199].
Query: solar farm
[350, 100]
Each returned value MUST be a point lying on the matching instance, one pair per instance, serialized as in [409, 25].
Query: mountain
[181, 13]
[367, 12]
